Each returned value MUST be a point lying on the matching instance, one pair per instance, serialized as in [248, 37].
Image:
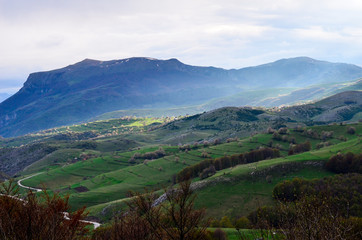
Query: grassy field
[106, 178]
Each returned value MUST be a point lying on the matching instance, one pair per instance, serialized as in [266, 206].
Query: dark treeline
[328, 208]
[345, 163]
[208, 167]
[344, 190]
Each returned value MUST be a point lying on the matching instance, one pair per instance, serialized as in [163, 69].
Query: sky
[41, 35]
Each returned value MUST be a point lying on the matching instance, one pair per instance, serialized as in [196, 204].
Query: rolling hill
[97, 163]
[128, 133]
[89, 88]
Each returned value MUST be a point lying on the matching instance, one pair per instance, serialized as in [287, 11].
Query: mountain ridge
[88, 88]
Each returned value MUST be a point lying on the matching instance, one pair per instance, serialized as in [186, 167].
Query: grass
[232, 233]
[238, 196]
[110, 176]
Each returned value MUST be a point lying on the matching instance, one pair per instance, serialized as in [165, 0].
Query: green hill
[96, 181]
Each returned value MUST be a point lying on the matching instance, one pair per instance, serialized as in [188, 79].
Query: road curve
[66, 214]
[30, 188]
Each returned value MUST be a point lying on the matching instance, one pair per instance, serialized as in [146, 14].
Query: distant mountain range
[89, 88]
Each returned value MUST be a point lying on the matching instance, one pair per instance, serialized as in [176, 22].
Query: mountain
[89, 88]
[299, 72]
[274, 97]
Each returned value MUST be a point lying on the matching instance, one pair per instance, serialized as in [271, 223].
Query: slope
[89, 88]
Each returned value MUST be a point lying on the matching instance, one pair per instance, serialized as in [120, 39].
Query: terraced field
[97, 182]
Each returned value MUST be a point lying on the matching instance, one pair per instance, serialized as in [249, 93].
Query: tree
[351, 130]
[172, 216]
[181, 221]
[34, 218]
[225, 222]
[315, 218]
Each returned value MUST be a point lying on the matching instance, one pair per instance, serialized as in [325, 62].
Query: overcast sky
[38, 35]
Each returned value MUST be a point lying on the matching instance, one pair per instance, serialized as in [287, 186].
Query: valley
[235, 157]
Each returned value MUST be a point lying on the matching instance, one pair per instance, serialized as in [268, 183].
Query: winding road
[26, 187]
[66, 214]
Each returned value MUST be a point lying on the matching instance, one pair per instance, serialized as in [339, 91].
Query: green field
[102, 182]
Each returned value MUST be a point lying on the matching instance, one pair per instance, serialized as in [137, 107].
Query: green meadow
[102, 182]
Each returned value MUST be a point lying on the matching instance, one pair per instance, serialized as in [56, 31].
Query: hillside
[89, 88]
[97, 163]
[102, 182]
[340, 107]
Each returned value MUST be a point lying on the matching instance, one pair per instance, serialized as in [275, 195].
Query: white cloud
[45, 34]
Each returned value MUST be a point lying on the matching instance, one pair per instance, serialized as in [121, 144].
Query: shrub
[270, 130]
[214, 223]
[242, 223]
[326, 134]
[185, 147]
[345, 163]
[283, 130]
[34, 218]
[225, 222]
[229, 140]
[217, 141]
[289, 190]
[207, 172]
[342, 138]
[277, 136]
[319, 145]
[147, 218]
[299, 148]
[311, 133]
[150, 155]
[351, 130]
[204, 154]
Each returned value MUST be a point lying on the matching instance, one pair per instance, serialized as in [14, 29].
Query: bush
[204, 154]
[277, 136]
[345, 163]
[311, 133]
[283, 130]
[287, 191]
[270, 130]
[242, 223]
[207, 172]
[264, 217]
[351, 130]
[34, 218]
[149, 155]
[225, 222]
[147, 218]
[299, 148]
